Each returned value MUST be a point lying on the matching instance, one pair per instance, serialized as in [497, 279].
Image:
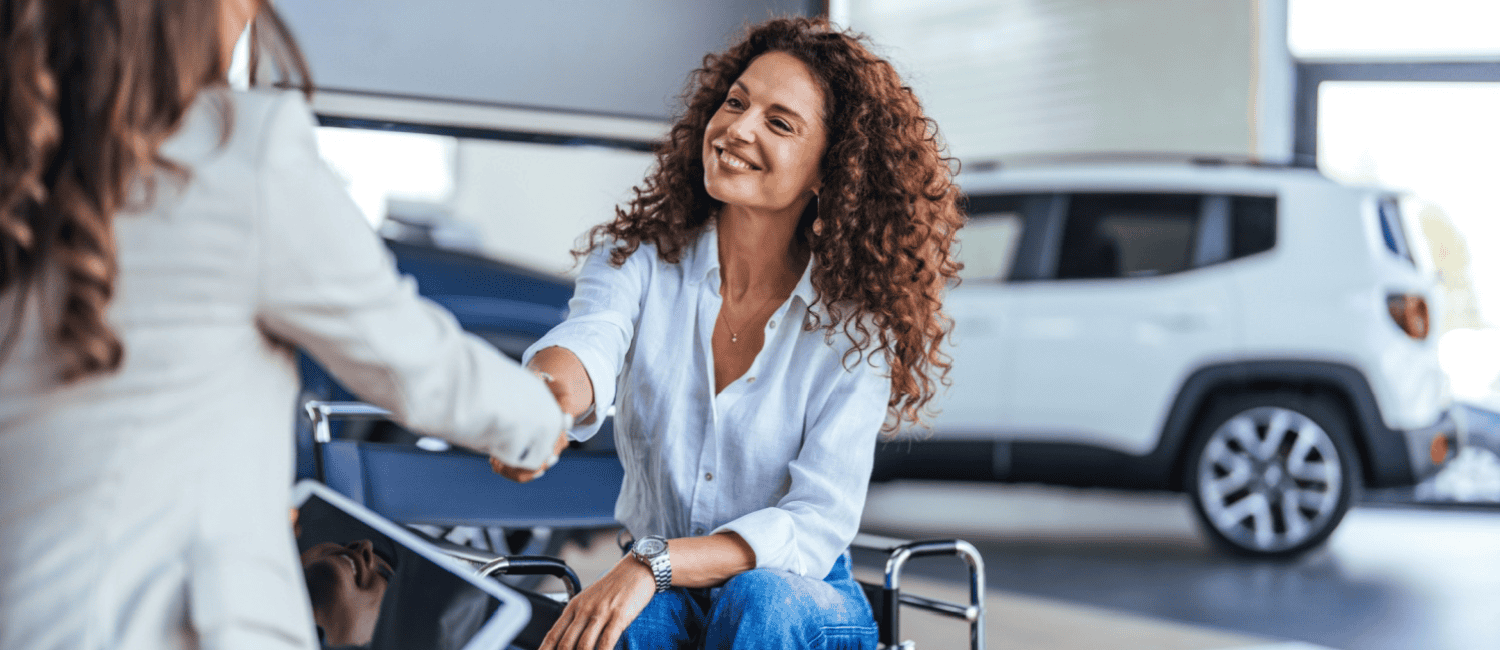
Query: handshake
[574, 394]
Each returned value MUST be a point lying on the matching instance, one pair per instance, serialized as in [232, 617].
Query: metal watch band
[659, 562]
[661, 569]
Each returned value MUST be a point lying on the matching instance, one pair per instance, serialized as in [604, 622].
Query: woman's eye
[782, 125]
[734, 102]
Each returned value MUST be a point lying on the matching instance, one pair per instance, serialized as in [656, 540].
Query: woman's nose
[742, 128]
[361, 547]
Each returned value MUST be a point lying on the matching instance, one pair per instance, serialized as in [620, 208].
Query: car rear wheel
[1272, 474]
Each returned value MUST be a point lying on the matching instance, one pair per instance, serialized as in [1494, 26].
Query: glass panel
[1254, 222]
[987, 245]
[1393, 230]
[1435, 142]
[1128, 235]
[521, 202]
[1393, 29]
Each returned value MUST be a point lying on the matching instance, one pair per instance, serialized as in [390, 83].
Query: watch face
[650, 546]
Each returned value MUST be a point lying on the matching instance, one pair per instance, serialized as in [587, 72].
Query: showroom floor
[1071, 569]
[1391, 577]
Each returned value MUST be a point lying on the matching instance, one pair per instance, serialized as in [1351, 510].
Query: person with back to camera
[766, 304]
[164, 242]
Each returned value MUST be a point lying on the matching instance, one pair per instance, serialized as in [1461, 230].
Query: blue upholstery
[457, 488]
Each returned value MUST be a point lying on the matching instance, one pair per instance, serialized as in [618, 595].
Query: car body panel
[1101, 381]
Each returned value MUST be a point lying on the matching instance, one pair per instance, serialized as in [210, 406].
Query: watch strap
[660, 564]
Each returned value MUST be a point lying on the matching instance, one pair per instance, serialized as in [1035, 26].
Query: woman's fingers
[519, 475]
[549, 642]
[612, 632]
[588, 639]
[597, 617]
[572, 634]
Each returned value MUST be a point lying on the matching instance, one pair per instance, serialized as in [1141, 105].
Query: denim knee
[770, 609]
[671, 621]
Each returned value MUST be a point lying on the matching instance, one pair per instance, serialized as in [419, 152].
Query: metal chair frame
[886, 599]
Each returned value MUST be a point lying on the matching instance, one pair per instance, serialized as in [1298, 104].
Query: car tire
[1272, 474]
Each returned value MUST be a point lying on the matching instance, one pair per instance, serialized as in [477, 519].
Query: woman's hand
[574, 394]
[567, 379]
[525, 475]
[597, 616]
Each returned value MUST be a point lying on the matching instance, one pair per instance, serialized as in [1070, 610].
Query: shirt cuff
[770, 535]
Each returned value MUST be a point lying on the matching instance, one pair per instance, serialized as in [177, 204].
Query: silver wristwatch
[651, 551]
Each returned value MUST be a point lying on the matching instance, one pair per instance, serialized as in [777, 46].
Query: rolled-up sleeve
[806, 531]
[328, 285]
[602, 318]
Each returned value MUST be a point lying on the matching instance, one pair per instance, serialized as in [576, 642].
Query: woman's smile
[733, 161]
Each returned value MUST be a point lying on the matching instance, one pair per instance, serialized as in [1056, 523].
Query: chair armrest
[532, 565]
[887, 599]
[490, 564]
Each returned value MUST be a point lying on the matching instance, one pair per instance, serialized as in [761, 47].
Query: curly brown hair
[886, 216]
[89, 90]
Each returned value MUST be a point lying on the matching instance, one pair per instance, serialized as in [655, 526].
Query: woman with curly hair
[765, 306]
[165, 241]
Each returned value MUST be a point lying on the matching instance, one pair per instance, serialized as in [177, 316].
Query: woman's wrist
[567, 418]
[637, 573]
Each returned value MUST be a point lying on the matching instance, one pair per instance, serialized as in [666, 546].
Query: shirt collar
[702, 264]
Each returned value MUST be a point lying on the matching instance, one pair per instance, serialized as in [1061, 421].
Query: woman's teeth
[734, 161]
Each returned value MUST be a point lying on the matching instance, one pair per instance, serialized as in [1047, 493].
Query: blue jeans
[759, 609]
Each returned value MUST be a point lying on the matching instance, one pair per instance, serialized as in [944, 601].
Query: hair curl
[887, 214]
[89, 90]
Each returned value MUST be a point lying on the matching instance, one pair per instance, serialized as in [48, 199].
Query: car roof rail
[1297, 161]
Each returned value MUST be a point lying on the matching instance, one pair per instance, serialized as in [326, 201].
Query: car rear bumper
[1431, 447]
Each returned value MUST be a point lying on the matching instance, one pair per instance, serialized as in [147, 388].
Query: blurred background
[504, 130]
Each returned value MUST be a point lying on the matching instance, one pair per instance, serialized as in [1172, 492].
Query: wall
[1009, 79]
[615, 58]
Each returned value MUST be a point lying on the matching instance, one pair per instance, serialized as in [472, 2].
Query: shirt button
[709, 476]
[772, 325]
[698, 531]
[750, 380]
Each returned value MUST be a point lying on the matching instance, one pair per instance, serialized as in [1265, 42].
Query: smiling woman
[764, 307]
[346, 584]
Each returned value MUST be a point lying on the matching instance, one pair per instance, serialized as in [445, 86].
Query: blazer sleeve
[329, 286]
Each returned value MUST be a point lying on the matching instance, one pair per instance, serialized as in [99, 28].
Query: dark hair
[91, 89]
[886, 216]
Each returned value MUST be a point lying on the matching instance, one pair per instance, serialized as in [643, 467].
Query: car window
[1253, 221]
[1128, 235]
[987, 245]
[1391, 229]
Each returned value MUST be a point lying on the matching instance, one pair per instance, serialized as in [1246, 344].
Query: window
[1391, 229]
[1128, 235]
[1253, 220]
[521, 202]
[987, 243]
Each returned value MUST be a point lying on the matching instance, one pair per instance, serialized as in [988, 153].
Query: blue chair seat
[457, 488]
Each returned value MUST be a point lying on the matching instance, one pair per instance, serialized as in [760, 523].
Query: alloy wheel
[1270, 479]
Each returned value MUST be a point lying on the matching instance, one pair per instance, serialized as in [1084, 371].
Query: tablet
[374, 584]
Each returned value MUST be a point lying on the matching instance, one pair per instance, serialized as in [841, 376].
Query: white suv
[1255, 336]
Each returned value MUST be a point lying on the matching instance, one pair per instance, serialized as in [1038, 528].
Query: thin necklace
[733, 336]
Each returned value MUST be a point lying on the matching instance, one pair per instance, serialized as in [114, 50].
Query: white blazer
[148, 508]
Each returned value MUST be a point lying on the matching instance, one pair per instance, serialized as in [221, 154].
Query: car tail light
[1410, 313]
[1439, 450]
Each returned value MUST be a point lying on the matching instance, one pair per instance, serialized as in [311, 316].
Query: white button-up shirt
[782, 456]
